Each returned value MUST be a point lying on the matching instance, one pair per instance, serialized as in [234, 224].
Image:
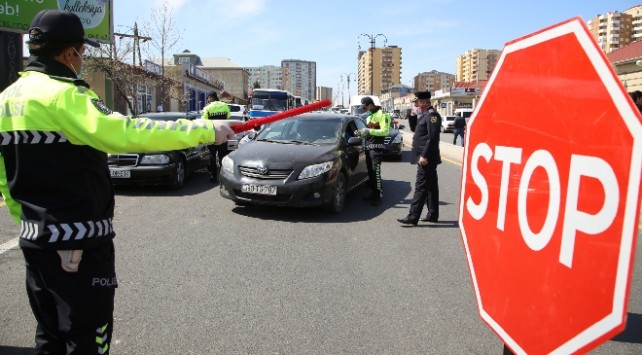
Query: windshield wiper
[302, 142]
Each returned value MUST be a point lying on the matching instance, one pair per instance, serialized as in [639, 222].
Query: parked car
[159, 168]
[303, 161]
[239, 112]
[447, 123]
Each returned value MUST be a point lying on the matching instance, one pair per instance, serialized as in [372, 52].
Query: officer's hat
[58, 26]
[218, 110]
[422, 95]
[366, 101]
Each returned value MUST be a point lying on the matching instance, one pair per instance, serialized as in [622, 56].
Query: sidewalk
[453, 153]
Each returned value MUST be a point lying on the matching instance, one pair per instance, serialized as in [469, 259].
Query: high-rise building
[267, 77]
[433, 81]
[378, 69]
[476, 64]
[302, 77]
[323, 92]
[612, 30]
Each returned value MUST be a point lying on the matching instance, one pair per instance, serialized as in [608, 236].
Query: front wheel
[339, 196]
[178, 180]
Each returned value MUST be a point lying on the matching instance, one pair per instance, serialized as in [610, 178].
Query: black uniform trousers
[426, 192]
[74, 310]
[217, 153]
[374, 157]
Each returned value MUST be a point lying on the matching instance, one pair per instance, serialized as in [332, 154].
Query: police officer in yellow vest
[54, 132]
[378, 127]
[216, 110]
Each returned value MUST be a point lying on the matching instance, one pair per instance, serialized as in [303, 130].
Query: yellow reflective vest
[54, 136]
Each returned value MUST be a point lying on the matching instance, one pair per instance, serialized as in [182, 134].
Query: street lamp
[373, 38]
[347, 75]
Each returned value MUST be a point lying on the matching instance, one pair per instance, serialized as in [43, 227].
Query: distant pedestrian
[425, 153]
[459, 128]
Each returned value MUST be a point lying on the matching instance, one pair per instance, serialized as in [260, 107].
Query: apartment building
[433, 81]
[322, 93]
[476, 64]
[303, 77]
[269, 77]
[615, 29]
[378, 69]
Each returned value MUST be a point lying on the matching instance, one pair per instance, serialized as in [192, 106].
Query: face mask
[78, 73]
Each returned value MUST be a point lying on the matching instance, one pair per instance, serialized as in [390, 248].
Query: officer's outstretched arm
[85, 120]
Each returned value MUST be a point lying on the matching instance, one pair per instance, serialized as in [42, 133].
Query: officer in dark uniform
[425, 153]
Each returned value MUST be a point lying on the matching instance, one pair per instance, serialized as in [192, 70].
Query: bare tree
[109, 60]
[165, 35]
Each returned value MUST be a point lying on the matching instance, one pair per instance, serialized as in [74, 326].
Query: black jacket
[425, 141]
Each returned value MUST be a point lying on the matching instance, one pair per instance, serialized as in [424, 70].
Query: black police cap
[58, 26]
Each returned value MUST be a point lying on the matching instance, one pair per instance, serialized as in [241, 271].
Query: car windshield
[312, 131]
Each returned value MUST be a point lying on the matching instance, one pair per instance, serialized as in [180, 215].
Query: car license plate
[259, 189]
[120, 174]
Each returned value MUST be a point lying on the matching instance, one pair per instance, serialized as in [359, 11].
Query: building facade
[614, 30]
[378, 69]
[476, 64]
[267, 77]
[235, 77]
[433, 81]
[323, 93]
[303, 77]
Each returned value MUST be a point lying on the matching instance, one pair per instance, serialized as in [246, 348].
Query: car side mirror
[353, 141]
[251, 135]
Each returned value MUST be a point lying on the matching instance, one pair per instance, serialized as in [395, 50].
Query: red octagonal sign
[550, 194]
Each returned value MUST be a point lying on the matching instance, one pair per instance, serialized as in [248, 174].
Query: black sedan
[304, 161]
[159, 168]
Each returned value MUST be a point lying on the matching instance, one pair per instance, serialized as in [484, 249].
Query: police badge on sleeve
[100, 106]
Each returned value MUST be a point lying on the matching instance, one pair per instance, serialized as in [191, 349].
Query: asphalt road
[198, 275]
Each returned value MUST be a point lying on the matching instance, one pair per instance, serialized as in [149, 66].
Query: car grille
[274, 174]
[123, 160]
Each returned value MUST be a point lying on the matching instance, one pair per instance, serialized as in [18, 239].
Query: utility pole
[137, 38]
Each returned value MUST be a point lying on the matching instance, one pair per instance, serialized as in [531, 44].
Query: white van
[355, 104]
[464, 112]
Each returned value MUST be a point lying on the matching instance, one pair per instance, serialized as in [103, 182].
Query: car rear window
[235, 108]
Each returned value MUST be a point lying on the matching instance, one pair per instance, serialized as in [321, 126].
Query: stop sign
[550, 194]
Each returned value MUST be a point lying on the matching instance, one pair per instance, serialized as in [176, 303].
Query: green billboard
[96, 15]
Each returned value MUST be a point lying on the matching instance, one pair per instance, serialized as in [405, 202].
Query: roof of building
[219, 62]
[627, 53]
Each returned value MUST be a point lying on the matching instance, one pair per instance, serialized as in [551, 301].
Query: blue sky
[431, 33]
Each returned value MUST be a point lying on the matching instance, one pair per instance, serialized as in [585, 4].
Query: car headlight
[158, 159]
[228, 164]
[398, 139]
[311, 171]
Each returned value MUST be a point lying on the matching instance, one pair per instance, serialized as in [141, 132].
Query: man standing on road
[378, 127]
[459, 127]
[216, 110]
[54, 178]
[425, 153]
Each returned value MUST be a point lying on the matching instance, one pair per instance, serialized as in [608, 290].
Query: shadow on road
[11, 350]
[195, 184]
[631, 333]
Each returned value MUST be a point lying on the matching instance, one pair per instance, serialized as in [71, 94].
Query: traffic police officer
[216, 110]
[425, 153]
[55, 181]
[378, 127]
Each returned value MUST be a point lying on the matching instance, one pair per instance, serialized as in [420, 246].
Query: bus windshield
[270, 101]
